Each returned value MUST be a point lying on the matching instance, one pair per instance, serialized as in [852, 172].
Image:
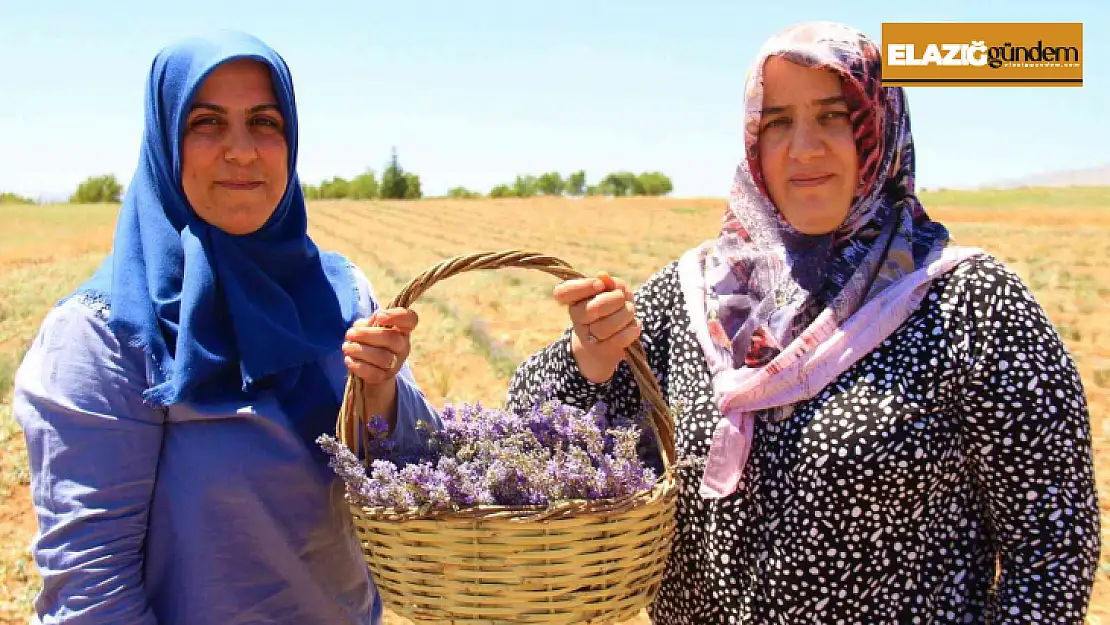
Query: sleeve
[413, 407]
[552, 372]
[93, 448]
[1028, 436]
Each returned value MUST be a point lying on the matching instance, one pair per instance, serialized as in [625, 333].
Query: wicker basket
[574, 562]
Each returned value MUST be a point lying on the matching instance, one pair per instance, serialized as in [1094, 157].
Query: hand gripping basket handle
[351, 417]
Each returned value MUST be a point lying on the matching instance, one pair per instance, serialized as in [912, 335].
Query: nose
[240, 145]
[806, 142]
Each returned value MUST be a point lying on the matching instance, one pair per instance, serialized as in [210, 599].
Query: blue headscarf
[222, 316]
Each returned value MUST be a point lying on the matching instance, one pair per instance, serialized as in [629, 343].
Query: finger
[379, 357]
[622, 339]
[365, 321]
[624, 288]
[607, 280]
[403, 319]
[612, 324]
[598, 307]
[383, 338]
[614, 284]
[571, 292]
[368, 372]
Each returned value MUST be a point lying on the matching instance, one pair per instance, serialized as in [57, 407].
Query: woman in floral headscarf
[874, 422]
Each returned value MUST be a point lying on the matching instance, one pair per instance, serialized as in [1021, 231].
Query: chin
[812, 228]
[813, 217]
[239, 230]
[242, 220]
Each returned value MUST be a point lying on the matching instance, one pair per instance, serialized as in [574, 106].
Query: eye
[204, 120]
[206, 124]
[265, 121]
[777, 122]
[836, 115]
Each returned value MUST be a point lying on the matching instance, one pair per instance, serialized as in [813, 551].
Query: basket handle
[351, 415]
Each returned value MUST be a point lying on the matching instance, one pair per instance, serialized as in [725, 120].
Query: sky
[474, 93]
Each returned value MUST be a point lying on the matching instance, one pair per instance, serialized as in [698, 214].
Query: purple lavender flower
[487, 456]
[378, 426]
[345, 464]
[378, 429]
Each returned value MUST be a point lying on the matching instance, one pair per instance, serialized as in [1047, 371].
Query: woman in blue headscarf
[171, 404]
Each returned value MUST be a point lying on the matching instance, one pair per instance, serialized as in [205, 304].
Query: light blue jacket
[194, 515]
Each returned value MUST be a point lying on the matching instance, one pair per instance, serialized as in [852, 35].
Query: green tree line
[93, 190]
[396, 183]
[365, 186]
[12, 198]
[96, 190]
[616, 184]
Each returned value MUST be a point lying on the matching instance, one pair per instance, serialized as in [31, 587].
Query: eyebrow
[268, 106]
[836, 99]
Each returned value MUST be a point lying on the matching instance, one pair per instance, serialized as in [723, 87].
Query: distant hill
[1088, 177]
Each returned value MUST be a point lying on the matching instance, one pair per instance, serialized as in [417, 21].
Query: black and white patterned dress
[886, 497]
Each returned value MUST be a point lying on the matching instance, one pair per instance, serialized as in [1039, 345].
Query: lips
[810, 180]
[240, 185]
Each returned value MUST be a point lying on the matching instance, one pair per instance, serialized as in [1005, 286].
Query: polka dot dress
[961, 441]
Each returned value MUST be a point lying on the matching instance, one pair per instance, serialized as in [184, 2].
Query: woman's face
[807, 148]
[234, 152]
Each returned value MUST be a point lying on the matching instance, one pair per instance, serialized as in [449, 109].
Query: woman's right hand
[604, 320]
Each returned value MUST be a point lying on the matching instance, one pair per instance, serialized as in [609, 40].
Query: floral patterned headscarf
[765, 281]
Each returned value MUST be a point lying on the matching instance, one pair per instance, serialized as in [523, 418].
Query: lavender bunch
[490, 456]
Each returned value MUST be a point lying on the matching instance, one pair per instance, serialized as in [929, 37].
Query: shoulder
[75, 354]
[986, 290]
[79, 321]
[991, 316]
[984, 272]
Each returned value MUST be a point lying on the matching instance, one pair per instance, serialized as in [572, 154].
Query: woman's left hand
[376, 347]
